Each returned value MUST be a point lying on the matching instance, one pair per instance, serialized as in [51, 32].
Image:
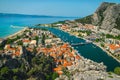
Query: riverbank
[96, 45]
[17, 33]
[107, 52]
[89, 51]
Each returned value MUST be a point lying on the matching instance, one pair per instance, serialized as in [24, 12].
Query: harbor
[89, 51]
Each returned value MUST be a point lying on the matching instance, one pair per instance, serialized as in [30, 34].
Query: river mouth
[89, 51]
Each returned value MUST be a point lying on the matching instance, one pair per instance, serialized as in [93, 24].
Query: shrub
[117, 70]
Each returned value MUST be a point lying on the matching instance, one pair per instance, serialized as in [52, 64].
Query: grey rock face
[107, 16]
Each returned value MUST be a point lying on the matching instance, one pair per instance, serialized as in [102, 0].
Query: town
[109, 42]
[36, 41]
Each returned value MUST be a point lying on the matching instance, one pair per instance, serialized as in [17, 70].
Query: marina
[89, 51]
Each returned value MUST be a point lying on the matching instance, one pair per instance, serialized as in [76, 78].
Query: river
[89, 51]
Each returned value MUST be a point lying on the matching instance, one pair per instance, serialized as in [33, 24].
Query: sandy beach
[17, 33]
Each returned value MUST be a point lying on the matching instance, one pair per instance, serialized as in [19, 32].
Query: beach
[17, 33]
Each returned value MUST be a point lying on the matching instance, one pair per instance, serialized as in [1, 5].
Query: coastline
[108, 53]
[17, 33]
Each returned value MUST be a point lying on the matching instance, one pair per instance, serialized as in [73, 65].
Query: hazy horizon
[70, 8]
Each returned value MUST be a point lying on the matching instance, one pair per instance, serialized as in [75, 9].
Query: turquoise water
[5, 22]
[89, 51]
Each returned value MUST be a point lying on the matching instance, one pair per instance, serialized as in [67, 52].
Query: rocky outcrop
[107, 16]
[86, 69]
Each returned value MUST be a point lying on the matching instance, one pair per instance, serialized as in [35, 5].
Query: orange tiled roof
[78, 57]
[29, 49]
[12, 49]
[60, 72]
[58, 69]
[25, 40]
[53, 55]
[8, 46]
[59, 60]
[17, 53]
[71, 55]
[114, 47]
[67, 64]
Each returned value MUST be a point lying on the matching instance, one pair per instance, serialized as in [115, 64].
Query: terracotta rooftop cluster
[63, 55]
[114, 48]
[13, 50]
[64, 27]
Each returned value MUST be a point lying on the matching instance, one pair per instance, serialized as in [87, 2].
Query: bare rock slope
[107, 16]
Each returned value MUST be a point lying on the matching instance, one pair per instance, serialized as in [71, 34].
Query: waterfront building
[114, 48]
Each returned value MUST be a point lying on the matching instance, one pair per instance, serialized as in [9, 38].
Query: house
[25, 42]
[90, 27]
[33, 42]
[13, 51]
[64, 27]
[48, 41]
[114, 48]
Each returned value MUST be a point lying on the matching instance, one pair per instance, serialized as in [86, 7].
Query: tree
[85, 20]
[9, 41]
[32, 72]
[66, 72]
[117, 70]
[18, 37]
[97, 40]
[109, 36]
[36, 38]
[4, 70]
[20, 43]
[15, 78]
[102, 45]
[88, 32]
[43, 39]
[6, 73]
[35, 60]
[54, 76]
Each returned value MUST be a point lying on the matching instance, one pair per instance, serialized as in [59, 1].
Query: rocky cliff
[107, 16]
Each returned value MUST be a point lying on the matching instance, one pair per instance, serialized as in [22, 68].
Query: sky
[74, 8]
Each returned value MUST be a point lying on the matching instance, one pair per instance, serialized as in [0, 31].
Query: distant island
[27, 15]
[44, 52]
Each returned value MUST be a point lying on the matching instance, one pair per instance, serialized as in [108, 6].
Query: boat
[12, 26]
[94, 46]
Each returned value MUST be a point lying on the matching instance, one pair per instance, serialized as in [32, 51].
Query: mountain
[85, 20]
[25, 15]
[106, 17]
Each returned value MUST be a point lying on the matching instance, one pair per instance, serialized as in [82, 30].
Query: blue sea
[6, 22]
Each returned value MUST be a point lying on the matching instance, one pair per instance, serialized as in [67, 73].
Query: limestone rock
[107, 16]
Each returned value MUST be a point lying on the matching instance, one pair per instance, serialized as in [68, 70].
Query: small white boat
[94, 46]
[12, 26]
[16, 26]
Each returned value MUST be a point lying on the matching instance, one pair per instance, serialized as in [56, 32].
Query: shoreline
[16, 33]
[108, 53]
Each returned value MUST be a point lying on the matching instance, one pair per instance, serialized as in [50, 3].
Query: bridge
[77, 44]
